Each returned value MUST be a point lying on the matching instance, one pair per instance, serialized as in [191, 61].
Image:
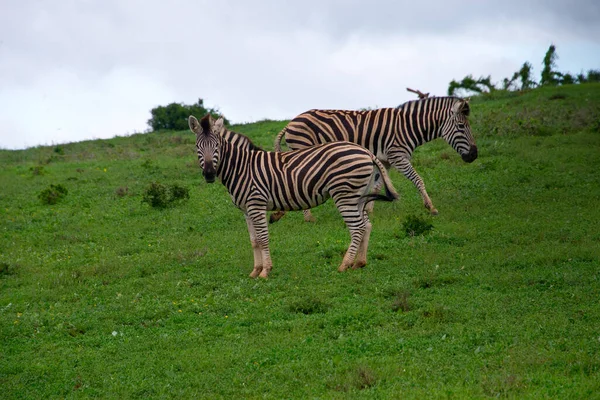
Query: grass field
[102, 295]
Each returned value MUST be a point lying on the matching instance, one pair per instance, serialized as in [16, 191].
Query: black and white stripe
[392, 134]
[259, 181]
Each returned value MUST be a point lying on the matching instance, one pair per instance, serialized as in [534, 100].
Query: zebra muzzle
[471, 155]
[210, 178]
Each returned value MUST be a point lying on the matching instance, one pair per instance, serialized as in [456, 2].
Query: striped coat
[392, 134]
[258, 181]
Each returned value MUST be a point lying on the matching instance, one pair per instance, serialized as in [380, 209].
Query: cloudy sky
[80, 69]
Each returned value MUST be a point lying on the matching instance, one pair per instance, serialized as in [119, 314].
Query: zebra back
[407, 126]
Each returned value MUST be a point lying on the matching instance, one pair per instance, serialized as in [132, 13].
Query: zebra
[392, 134]
[259, 180]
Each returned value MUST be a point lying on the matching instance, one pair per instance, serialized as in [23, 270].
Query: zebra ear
[194, 124]
[218, 126]
[461, 106]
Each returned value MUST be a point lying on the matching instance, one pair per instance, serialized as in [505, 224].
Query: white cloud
[75, 70]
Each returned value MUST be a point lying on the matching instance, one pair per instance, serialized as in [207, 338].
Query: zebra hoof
[434, 211]
[276, 216]
[264, 274]
[359, 264]
[342, 268]
[255, 273]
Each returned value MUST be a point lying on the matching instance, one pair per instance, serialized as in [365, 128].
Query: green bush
[175, 115]
[38, 170]
[161, 196]
[52, 194]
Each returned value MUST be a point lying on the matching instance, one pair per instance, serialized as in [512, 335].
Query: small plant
[400, 302]
[365, 378]
[59, 150]
[122, 191]
[52, 194]
[161, 196]
[416, 226]
[38, 170]
[179, 192]
[6, 269]
[307, 306]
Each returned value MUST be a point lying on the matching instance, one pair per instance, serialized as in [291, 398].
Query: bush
[416, 226]
[38, 170]
[52, 194]
[175, 115]
[161, 196]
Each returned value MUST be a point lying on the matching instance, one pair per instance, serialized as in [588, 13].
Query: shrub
[38, 170]
[52, 194]
[122, 191]
[156, 195]
[175, 115]
[416, 226]
[161, 196]
[179, 192]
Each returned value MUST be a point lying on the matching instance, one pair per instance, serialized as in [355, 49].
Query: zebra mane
[449, 100]
[239, 140]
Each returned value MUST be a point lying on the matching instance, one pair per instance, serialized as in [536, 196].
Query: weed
[6, 269]
[59, 150]
[122, 191]
[438, 314]
[307, 306]
[38, 170]
[179, 192]
[148, 164]
[400, 301]
[161, 196]
[416, 226]
[365, 378]
[52, 194]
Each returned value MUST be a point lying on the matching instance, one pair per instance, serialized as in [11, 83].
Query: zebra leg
[258, 260]
[259, 221]
[308, 217]
[356, 225]
[361, 257]
[276, 216]
[405, 167]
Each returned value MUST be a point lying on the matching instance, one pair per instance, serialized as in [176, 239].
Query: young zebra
[258, 181]
[392, 134]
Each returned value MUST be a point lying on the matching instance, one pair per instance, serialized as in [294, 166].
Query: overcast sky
[80, 69]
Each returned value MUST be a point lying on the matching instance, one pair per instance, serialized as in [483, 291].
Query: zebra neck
[420, 121]
[234, 162]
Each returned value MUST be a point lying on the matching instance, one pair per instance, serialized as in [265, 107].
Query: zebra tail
[277, 144]
[390, 191]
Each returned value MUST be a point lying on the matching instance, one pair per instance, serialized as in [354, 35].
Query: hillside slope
[103, 295]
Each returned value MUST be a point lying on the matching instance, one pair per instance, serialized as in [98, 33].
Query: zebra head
[207, 144]
[457, 131]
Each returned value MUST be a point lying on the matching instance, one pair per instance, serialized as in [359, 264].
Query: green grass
[102, 295]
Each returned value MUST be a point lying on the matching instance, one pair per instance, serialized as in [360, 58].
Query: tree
[549, 75]
[469, 83]
[174, 116]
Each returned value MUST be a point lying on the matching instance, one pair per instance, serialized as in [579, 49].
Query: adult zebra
[258, 181]
[392, 134]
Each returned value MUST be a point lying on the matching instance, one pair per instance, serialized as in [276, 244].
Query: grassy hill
[102, 295]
